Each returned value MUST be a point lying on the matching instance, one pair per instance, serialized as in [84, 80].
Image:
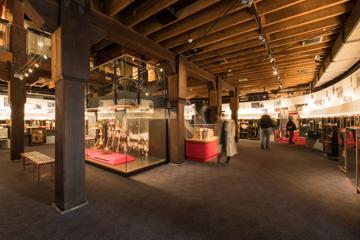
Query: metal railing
[4, 34]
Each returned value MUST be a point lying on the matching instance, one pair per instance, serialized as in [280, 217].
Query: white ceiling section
[345, 52]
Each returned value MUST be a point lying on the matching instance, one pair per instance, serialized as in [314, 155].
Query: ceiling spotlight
[229, 70]
[248, 3]
[161, 69]
[26, 74]
[147, 94]
[21, 78]
[275, 72]
[45, 57]
[190, 40]
[133, 59]
[36, 65]
[30, 70]
[262, 38]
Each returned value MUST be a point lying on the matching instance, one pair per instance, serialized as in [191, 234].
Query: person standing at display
[227, 144]
[266, 128]
[290, 128]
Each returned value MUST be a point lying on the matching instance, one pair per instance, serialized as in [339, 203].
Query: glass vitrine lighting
[126, 122]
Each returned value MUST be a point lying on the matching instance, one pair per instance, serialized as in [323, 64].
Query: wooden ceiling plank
[309, 18]
[296, 31]
[260, 60]
[266, 7]
[238, 54]
[255, 42]
[326, 24]
[254, 35]
[153, 25]
[303, 8]
[113, 7]
[180, 37]
[201, 18]
[219, 36]
[144, 11]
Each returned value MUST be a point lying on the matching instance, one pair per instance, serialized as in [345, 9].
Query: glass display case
[342, 149]
[357, 181]
[350, 150]
[127, 131]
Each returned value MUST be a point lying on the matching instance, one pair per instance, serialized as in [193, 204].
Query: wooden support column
[213, 102]
[70, 70]
[177, 91]
[17, 88]
[234, 106]
[219, 93]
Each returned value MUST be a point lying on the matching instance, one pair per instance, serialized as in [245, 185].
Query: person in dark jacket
[290, 128]
[266, 125]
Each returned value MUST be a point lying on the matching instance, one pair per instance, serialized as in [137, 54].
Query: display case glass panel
[127, 131]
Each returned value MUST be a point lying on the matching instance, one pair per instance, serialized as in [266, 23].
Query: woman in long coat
[227, 141]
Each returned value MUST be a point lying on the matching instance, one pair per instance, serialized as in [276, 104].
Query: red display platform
[112, 158]
[201, 150]
[296, 139]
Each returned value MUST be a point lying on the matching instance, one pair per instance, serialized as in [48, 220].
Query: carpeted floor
[289, 192]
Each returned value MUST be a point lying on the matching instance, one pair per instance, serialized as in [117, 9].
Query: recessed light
[275, 72]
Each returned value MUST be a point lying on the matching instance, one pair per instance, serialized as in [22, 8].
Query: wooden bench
[37, 160]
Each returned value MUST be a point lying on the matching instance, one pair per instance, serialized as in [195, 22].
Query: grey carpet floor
[290, 192]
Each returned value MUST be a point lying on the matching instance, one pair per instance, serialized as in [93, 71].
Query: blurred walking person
[227, 142]
[266, 125]
[290, 128]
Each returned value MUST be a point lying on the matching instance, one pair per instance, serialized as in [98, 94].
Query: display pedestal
[201, 150]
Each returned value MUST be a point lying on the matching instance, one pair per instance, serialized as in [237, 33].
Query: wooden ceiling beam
[201, 18]
[326, 24]
[300, 9]
[153, 25]
[128, 38]
[259, 60]
[182, 33]
[180, 44]
[255, 42]
[242, 38]
[265, 63]
[267, 70]
[113, 7]
[233, 56]
[313, 17]
[144, 11]
[304, 31]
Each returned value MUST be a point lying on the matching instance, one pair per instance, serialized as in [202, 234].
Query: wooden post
[177, 90]
[70, 70]
[219, 93]
[234, 106]
[17, 88]
[215, 99]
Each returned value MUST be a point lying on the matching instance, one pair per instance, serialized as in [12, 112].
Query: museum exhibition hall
[180, 119]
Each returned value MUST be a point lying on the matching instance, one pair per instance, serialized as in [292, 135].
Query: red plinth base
[201, 151]
[112, 158]
[296, 139]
